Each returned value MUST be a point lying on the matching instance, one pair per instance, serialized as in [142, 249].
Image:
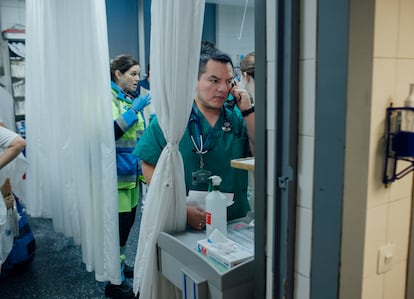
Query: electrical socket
[385, 258]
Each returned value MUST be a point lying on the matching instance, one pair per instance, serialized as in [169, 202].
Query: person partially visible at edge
[129, 126]
[12, 145]
[214, 136]
[247, 73]
[247, 67]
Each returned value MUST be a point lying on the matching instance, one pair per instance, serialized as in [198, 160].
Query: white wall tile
[404, 77]
[395, 281]
[386, 28]
[378, 193]
[376, 236]
[405, 33]
[308, 14]
[270, 137]
[304, 241]
[271, 96]
[269, 275]
[270, 227]
[307, 81]
[301, 287]
[383, 91]
[399, 227]
[401, 188]
[306, 149]
[308, 23]
[373, 287]
[271, 30]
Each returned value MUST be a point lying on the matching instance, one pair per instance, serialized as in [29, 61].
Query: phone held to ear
[231, 100]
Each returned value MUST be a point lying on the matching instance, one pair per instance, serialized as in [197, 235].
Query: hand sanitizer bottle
[216, 208]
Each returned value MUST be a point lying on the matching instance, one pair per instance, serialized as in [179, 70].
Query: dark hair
[122, 63]
[206, 47]
[212, 54]
[247, 64]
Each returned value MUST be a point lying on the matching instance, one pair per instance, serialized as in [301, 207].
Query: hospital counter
[198, 276]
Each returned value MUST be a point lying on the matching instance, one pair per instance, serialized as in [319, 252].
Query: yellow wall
[381, 68]
[388, 209]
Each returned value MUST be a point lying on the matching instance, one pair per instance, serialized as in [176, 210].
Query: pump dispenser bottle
[408, 124]
[216, 207]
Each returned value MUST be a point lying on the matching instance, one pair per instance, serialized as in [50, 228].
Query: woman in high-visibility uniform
[129, 126]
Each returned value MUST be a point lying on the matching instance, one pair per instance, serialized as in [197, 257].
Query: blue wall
[209, 25]
[122, 22]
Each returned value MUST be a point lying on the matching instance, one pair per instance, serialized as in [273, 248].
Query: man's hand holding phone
[241, 96]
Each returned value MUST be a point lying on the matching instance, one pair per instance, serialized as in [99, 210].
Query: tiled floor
[57, 270]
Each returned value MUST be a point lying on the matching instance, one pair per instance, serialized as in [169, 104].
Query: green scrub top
[222, 148]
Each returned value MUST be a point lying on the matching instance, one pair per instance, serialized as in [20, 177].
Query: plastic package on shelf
[223, 250]
[17, 68]
[18, 48]
[18, 88]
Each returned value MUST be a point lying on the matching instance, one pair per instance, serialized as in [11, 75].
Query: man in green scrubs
[214, 136]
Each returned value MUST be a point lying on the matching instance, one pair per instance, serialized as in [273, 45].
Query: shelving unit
[13, 48]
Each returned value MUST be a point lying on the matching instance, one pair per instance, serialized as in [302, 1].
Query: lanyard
[200, 145]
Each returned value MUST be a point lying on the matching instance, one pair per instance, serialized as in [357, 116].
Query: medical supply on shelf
[223, 250]
[216, 208]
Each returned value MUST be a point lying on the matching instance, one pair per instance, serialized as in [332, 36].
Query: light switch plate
[385, 258]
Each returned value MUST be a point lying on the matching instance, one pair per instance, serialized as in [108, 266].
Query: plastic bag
[6, 236]
[23, 245]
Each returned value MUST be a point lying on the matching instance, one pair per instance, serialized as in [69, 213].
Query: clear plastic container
[216, 208]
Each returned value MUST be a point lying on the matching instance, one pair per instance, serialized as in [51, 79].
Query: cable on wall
[242, 23]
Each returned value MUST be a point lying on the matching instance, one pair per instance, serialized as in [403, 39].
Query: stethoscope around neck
[200, 145]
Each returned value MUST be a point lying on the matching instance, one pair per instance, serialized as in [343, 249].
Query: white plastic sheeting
[70, 135]
[176, 28]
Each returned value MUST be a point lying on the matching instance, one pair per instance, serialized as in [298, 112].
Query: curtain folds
[176, 28]
[70, 141]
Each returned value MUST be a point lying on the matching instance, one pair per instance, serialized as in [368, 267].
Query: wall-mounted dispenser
[400, 140]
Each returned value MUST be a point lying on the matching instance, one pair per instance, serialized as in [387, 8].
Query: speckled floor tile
[57, 271]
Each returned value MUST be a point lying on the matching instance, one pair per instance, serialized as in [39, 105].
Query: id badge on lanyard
[201, 175]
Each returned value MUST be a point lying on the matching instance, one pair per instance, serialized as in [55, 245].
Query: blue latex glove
[139, 103]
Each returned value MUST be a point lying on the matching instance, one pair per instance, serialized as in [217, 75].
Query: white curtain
[176, 28]
[70, 135]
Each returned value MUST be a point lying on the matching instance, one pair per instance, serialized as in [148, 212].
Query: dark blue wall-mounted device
[400, 143]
